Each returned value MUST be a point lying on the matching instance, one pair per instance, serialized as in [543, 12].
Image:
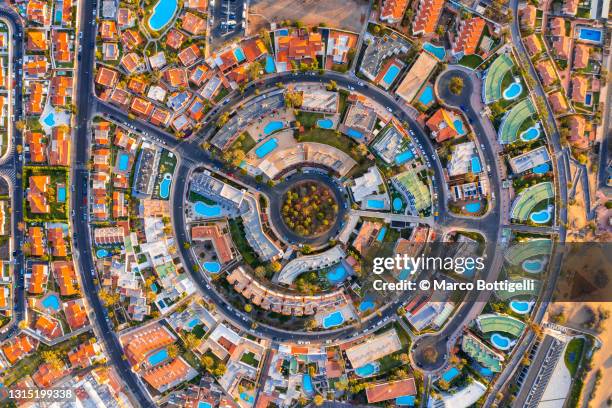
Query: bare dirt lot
[344, 14]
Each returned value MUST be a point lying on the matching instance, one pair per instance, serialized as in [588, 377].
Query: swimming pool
[513, 91]
[162, 14]
[541, 168]
[367, 370]
[270, 67]
[450, 374]
[266, 148]
[284, 32]
[366, 305]
[438, 52]
[123, 161]
[397, 204]
[427, 96]
[405, 401]
[325, 123]
[390, 75]
[376, 204]
[307, 384]
[61, 194]
[403, 157]
[272, 127]
[193, 322]
[50, 119]
[333, 319]
[51, 302]
[381, 234]
[533, 265]
[164, 186]
[205, 210]
[458, 123]
[203, 404]
[521, 307]
[355, 134]
[476, 167]
[246, 397]
[239, 54]
[542, 216]
[212, 267]
[473, 207]
[154, 287]
[500, 342]
[337, 275]
[590, 35]
[102, 253]
[158, 357]
[530, 134]
[588, 99]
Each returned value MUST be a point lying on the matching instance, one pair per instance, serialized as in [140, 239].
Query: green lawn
[573, 354]
[470, 61]
[58, 211]
[249, 358]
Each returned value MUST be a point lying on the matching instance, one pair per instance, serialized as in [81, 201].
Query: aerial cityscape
[291, 203]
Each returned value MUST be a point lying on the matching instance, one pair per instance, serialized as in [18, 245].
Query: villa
[37, 194]
[528, 16]
[39, 274]
[17, 348]
[107, 77]
[339, 44]
[59, 147]
[547, 72]
[442, 125]
[561, 46]
[300, 46]
[35, 237]
[193, 24]
[427, 16]
[581, 56]
[390, 390]
[416, 76]
[533, 45]
[36, 146]
[579, 88]
[378, 50]
[577, 125]
[558, 102]
[66, 277]
[393, 11]
[467, 38]
[374, 348]
[367, 184]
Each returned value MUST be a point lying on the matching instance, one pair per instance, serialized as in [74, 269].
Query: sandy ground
[345, 14]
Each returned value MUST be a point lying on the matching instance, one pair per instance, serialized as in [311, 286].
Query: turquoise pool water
[541, 168]
[212, 267]
[205, 210]
[102, 253]
[272, 127]
[162, 14]
[459, 126]
[450, 374]
[51, 302]
[513, 91]
[381, 234]
[266, 148]
[405, 401]
[203, 404]
[476, 167]
[473, 207]
[325, 123]
[405, 273]
[337, 275]
[61, 194]
[283, 33]
[533, 265]
[355, 134]
[307, 384]
[403, 157]
[193, 323]
[365, 305]
[376, 204]
[590, 35]
[438, 52]
[247, 397]
[239, 54]
[50, 119]
[270, 66]
[366, 370]
[588, 99]
[158, 357]
[123, 161]
[397, 204]
[164, 186]
[154, 287]
[500, 342]
[427, 96]
[521, 307]
[541, 217]
[391, 74]
[530, 134]
[332, 320]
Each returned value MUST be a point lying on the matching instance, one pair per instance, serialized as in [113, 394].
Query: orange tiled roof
[390, 390]
[579, 88]
[60, 89]
[581, 56]
[175, 39]
[528, 16]
[577, 126]
[107, 77]
[36, 40]
[533, 44]
[37, 194]
[18, 347]
[427, 16]
[558, 102]
[47, 375]
[193, 24]
[61, 46]
[469, 35]
[82, 356]
[76, 316]
[547, 72]
[439, 124]
[561, 46]
[393, 10]
[55, 237]
[66, 277]
[557, 26]
[59, 147]
[167, 374]
[37, 147]
[35, 99]
[141, 107]
[137, 345]
[48, 327]
[108, 30]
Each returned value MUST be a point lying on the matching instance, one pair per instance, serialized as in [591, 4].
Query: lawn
[470, 61]
[573, 354]
[249, 358]
[58, 211]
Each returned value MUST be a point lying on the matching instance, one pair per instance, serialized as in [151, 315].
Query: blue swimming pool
[521, 307]
[588, 99]
[212, 267]
[513, 91]
[405, 401]
[162, 14]
[355, 134]
[438, 52]
[61, 194]
[381, 234]
[239, 54]
[427, 96]
[102, 253]
[541, 168]
[337, 275]
[50, 119]
[397, 204]
[272, 127]
[476, 167]
[500, 342]
[403, 157]
[366, 370]
[325, 123]
[246, 397]
[205, 210]
[123, 161]
[164, 186]
[533, 265]
[333, 319]
[154, 287]
[473, 207]
[307, 384]
[530, 134]
[376, 204]
[283, 33]
[391, 74]
[590, 35]
[541, 217]
[51, 302]
[458, 123]
[193, 323]
[158, 357]
[450, 374]
[366, 305]
[203, 404]
[270, 66]
[266, 148]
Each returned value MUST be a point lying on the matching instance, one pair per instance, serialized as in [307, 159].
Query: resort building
[442, 125]
[461, 159]
[390, 143]
[219, 239]
[483, 354]
[374, 348]
[416, 76]
[468, 37]
[393, 11]
[427, 16]
[529, 160]
[306, 263]
[378, 49]
[297, 47]
[367, 184]
[391, 390]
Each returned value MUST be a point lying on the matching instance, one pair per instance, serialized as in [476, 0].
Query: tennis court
[494, 78]
[530, 197]
[508, 131]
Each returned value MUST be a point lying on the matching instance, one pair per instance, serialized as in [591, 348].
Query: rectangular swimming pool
[590, 35]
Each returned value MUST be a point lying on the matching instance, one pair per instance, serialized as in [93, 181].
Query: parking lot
[228, 21]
